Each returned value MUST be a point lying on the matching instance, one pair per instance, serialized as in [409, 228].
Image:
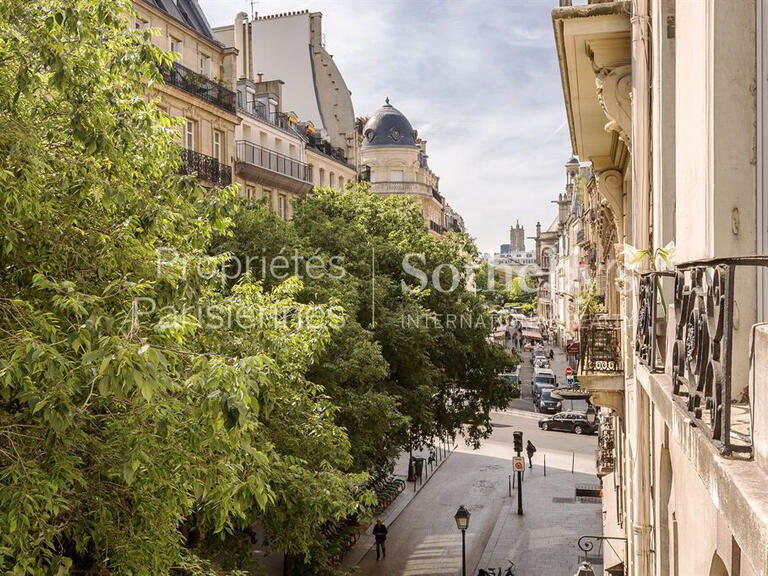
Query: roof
[388, 127]
[189, 13]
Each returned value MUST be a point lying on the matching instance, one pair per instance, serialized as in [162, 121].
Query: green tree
[135, 398]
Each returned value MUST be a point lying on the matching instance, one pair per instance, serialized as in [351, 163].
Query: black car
[546, 403]
[575, 422]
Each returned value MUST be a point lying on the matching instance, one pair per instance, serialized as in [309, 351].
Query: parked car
[538, 387]
[547, 404]
[542, 371]
[575, 422]
[540, 362]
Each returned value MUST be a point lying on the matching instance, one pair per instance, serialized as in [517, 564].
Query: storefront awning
[532, 334]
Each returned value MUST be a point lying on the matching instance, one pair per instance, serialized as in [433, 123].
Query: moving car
[547, 404]
[575, 422]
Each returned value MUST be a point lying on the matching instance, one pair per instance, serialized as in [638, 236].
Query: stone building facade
[666, 101]
[394, 160]
[199, 87]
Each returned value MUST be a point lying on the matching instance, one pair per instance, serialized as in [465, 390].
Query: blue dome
[388, 127]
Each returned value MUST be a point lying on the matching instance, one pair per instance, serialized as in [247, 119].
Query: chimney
[260, 77]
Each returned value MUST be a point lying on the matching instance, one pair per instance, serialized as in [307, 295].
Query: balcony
[710, 357]
[414, 188]
[259, 111]
[435, 227]
[206, 168]
[437, 196]
[271, 168]
[200, 86]
[601, 368]
[606, 454]
[325, 148]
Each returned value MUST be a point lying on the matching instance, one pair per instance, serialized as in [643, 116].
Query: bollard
[545, 464]
[513, 480]
[510, 485]
[573, 460]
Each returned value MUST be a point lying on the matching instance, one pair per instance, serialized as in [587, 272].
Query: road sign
[569, 381]
[518, 463]
[569, 371]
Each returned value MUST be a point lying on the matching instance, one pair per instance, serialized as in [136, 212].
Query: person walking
[380, 532]
[551, 354]
[531, 449]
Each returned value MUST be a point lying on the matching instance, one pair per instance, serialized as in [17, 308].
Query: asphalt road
[423, 539]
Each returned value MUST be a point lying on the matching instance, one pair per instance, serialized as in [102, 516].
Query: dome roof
[388, 127]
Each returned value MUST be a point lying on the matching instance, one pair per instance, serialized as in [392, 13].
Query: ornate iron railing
[437, 196]
[401, 188]
[606, 455]
[646, 345]
[702, 356]
[200, 86]
[205, 167]
[601, 345]
[435, 227]
[255, 155]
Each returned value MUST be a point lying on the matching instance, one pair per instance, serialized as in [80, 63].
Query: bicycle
[510, 571]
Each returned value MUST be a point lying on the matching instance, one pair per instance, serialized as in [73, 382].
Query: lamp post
[585, 569]
[462, 523]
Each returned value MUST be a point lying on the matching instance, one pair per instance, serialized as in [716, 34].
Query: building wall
[328, 172]
[387, 163]
[207, 117]
[281, 49]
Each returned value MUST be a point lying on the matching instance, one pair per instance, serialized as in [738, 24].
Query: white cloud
[479, 80]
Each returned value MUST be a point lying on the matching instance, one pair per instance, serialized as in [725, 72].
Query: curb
[365, 543]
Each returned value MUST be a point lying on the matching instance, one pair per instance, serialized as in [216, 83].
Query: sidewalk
[366, 540]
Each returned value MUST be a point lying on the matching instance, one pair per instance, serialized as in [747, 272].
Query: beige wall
[207, 117]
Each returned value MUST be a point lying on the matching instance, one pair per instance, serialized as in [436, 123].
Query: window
[249, 192]
[205, 65]
[396, 176]
[330, 179]
[175, 45]
[281, 205]
[189, 135]
[217, 145]
[341, 182]
[141, 24]
[322, 177]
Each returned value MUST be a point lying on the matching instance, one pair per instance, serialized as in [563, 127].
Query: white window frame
[173, 44]
[189, 135]
[281, 206]
[205, 65]
[218, 145]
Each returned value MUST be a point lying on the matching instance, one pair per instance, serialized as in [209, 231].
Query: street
[424, 539]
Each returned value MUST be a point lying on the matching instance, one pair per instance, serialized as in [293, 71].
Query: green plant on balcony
[659, 259]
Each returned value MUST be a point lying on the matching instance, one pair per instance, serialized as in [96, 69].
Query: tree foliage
[131, 402]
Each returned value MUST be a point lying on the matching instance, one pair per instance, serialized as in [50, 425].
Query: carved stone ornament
[614, 92]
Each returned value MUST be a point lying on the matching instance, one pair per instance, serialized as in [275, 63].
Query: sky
[478, 79]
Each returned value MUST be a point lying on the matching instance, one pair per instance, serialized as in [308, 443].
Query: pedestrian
[551, 354]
[380, 532]
[531, 449]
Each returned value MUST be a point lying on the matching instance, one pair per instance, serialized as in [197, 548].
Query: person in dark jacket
[380, 532]
[531, 449]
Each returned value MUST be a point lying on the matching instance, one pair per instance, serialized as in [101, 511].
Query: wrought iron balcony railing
[259, 110]
[200, 86]
[437, 196]
[702, 354]
[601, 345]
[435, 227]
[401, 188]
[606, 440]
[255, 155]
[651, 326]
[205, 167]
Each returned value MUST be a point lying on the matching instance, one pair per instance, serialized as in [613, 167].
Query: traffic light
[518, 436]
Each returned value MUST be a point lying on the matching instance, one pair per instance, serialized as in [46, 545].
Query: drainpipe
[641, 163]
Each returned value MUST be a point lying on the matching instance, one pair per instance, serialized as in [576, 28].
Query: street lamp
[585, 569]
[462, 523]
